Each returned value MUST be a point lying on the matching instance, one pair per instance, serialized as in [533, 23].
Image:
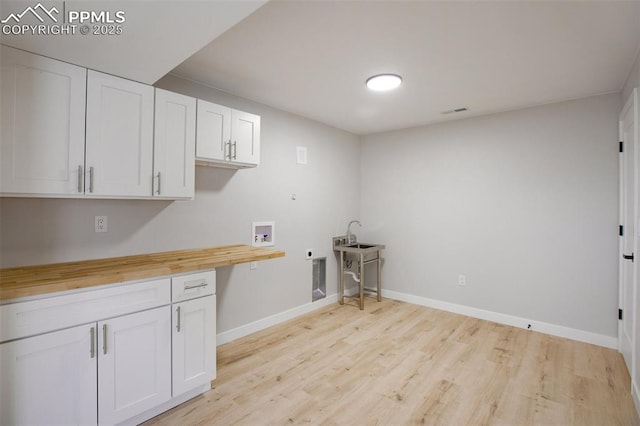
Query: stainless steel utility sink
[362, 254]
[360, 248]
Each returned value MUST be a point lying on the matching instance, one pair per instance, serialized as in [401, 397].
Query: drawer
[53, 313]
[185, 287]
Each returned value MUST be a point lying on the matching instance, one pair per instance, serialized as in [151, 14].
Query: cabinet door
[174, 145]
[245, 136]
[50, 379]
[194, 343]
[134, 364]
[214, 131]
[42, 127]
[119, 140]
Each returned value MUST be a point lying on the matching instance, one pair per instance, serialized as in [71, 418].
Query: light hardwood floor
[396, 363]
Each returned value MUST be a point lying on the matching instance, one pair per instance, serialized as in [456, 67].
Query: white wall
[632, 81]
[36, 231]
[524, 203]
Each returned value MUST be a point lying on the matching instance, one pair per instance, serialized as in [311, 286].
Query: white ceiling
[156, 35]
[312, 58]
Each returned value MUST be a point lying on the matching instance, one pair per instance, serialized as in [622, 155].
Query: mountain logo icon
[38, 11]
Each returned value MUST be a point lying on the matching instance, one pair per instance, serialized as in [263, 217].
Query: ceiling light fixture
[382, 82]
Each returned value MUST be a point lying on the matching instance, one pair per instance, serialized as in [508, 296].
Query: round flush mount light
[382, 82]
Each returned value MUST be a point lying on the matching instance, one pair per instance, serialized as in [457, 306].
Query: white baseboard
[245, 330]
[635, 393]
[542, 327]
[173, 402]
[539, 326]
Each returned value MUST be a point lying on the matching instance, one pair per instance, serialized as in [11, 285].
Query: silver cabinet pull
[235, 149]
[91, 179]
[178, 320]
[93, 342]
[159, 183]
[80, 178]
[190, 285]
[104, 339]
[229, 155]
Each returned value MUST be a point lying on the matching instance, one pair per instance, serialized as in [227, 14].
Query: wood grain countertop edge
[27, 281]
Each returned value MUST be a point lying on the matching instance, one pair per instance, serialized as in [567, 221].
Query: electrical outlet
[101, 224]
[462, 280]
[253, 265]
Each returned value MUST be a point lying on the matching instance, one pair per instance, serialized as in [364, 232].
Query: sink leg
[341, 280]
[361, 267]
[379, 263]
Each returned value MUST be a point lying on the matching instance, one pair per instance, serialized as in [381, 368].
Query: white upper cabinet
[70, 132]
[174, 145]
[119, 138]
[214, 131]
[43, 120]
[245, 135]
[227, 137]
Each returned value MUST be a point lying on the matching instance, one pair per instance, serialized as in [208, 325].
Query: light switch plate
[301, 155]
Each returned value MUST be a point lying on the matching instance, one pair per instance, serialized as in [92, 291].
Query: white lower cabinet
[50, 379]
[61, 363]
[134, 364]
[194, 350]
[193, 330]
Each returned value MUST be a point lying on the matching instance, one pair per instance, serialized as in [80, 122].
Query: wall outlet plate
[308, 254]
[100, 223]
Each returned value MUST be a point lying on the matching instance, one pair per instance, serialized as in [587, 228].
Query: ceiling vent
[451, 111]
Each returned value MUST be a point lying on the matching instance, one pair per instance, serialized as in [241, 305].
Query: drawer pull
[93, 342]
[190, 285]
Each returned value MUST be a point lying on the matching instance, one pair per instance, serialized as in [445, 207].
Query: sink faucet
[351, 237]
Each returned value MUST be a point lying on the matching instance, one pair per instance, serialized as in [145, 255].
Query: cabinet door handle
[93, 342]
[235, 150]
[190, 285]
[159, 183]
[178, 319]
[91, 179]
[628, 257]
[104, 339]
[229, 145]
[80, 178]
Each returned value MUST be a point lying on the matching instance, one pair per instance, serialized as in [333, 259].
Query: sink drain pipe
[353, 274]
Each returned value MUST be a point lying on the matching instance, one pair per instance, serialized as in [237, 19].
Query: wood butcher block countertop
[41, 279]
